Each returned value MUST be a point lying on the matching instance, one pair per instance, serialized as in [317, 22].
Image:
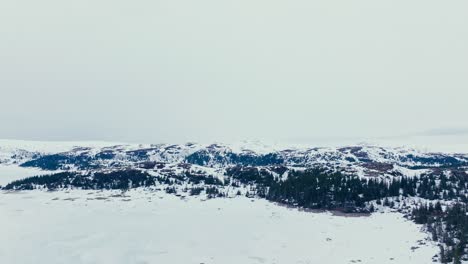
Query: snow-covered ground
[154, 227]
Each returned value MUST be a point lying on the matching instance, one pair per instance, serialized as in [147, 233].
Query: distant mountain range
[214, 159]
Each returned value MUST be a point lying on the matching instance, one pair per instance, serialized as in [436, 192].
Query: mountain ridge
[363, 160]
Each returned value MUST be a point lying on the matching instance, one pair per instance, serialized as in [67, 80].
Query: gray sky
[184, 70]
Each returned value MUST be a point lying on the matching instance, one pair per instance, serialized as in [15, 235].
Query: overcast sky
[222, 70]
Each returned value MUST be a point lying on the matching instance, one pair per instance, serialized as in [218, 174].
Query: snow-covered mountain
[214, 159]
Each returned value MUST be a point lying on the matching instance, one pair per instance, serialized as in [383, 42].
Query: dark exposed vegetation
[449, 227]
[59, 161]
[125, 179]
[204, 157]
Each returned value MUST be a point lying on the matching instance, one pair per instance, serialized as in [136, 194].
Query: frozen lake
[154, 227]
[9, 173]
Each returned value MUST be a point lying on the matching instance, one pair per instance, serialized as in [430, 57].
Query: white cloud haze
[180, 70]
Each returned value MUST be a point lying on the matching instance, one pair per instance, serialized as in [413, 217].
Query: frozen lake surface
[154, 227]
[9, 173]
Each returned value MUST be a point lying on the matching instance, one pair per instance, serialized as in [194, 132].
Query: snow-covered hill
[213, 159]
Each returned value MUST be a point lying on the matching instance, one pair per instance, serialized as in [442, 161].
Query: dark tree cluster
[319, 190]
[61, 161]
[449, 227]
[204, 157]
[251, 175]
[316, 188]
[125, 179]
[201, 179]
